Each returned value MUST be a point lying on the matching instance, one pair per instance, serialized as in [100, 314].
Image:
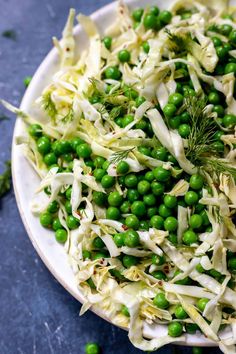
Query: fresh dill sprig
[49, 105]
[178, 42]
[113, 102]
[5, 179]
[201, 138]
[10, 34]
[218, 166]
[120, 155]
[69, 116]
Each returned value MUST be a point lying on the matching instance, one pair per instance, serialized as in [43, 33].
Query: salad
[135, 147]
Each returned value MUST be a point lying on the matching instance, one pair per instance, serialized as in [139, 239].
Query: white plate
[26, 181]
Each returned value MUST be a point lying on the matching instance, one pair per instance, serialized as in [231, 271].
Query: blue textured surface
[37, 316]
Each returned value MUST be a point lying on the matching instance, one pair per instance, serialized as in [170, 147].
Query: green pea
[172, 159]
[46, 219]
[229, 120]
[170, 201]
[173, 238]
[164, 211]
[125, 311]
[119, 239]
[175, 329]
[144, 225]
[216, 41]
[138, 208]
[152, 211]
[191, 328]
[132, 195]
[230, 68]
[44, 145]
[61, 235]
[143, 187]
[53, 207]
[35, 130]
[157, 222]
[161, 174]
[232, 37]
[191, 198]
[105, 165]
[107, 42]
[196, 182]
[98, 243]
[218, 146]
[146, 47]
[139, 100]
[124, 56]
[113, 213]
[180, 313]
[214, 273]
[112, 72]
[160, 153]
[92, 348]
[158, 260]
[115, 199]
[107, 181]
[128, 118]
[201, 303]
[154, 10]
[131, 238]
[160, 301]
[232, 263]
[221, 52]
[84, 150]
[169, 110]
[214, 98]
[131, 180]
[149, 199]
[189, 237]
[165, 17]
[129, 261]
[184, 130]
[132, 221]
[86, 254]
[175, 122]
[158, 274]
[122, 167]
[170, 224]
[56, 224]
[149, 21]
[137, 14]
[99, 161]
[50, 159]
[98, 173]
[99, 198]
[185, 118]
[176, 99]
[72, 222]
[195, 221]
[76, 142]
[149, 176]
[205, 219]
[225, 29]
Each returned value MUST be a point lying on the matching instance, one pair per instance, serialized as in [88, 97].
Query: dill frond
[203, 127]
[178, 43]
[120, 155]
[69, 116]
[218, 166]
[49, 105]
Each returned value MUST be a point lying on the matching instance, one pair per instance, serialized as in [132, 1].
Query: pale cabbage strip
[77, 104]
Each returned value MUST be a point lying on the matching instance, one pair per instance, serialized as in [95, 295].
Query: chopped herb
[27, 80]
[5, 179]
[49, 105]
[69, 116]
[120, 155]
[178, 42]
[3, 117]
[218, 166]
[11, 34]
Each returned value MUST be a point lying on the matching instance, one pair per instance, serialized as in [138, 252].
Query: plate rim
[189, 341]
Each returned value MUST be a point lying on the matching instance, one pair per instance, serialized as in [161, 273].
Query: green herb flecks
[203, 127]
[120, 155]
[218, 166]
[69, 116]
[178, 43]
[5, 179]
[3, 117]
[49, 105]
[10, 34]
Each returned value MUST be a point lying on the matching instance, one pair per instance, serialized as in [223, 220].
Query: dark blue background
[37, 316]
